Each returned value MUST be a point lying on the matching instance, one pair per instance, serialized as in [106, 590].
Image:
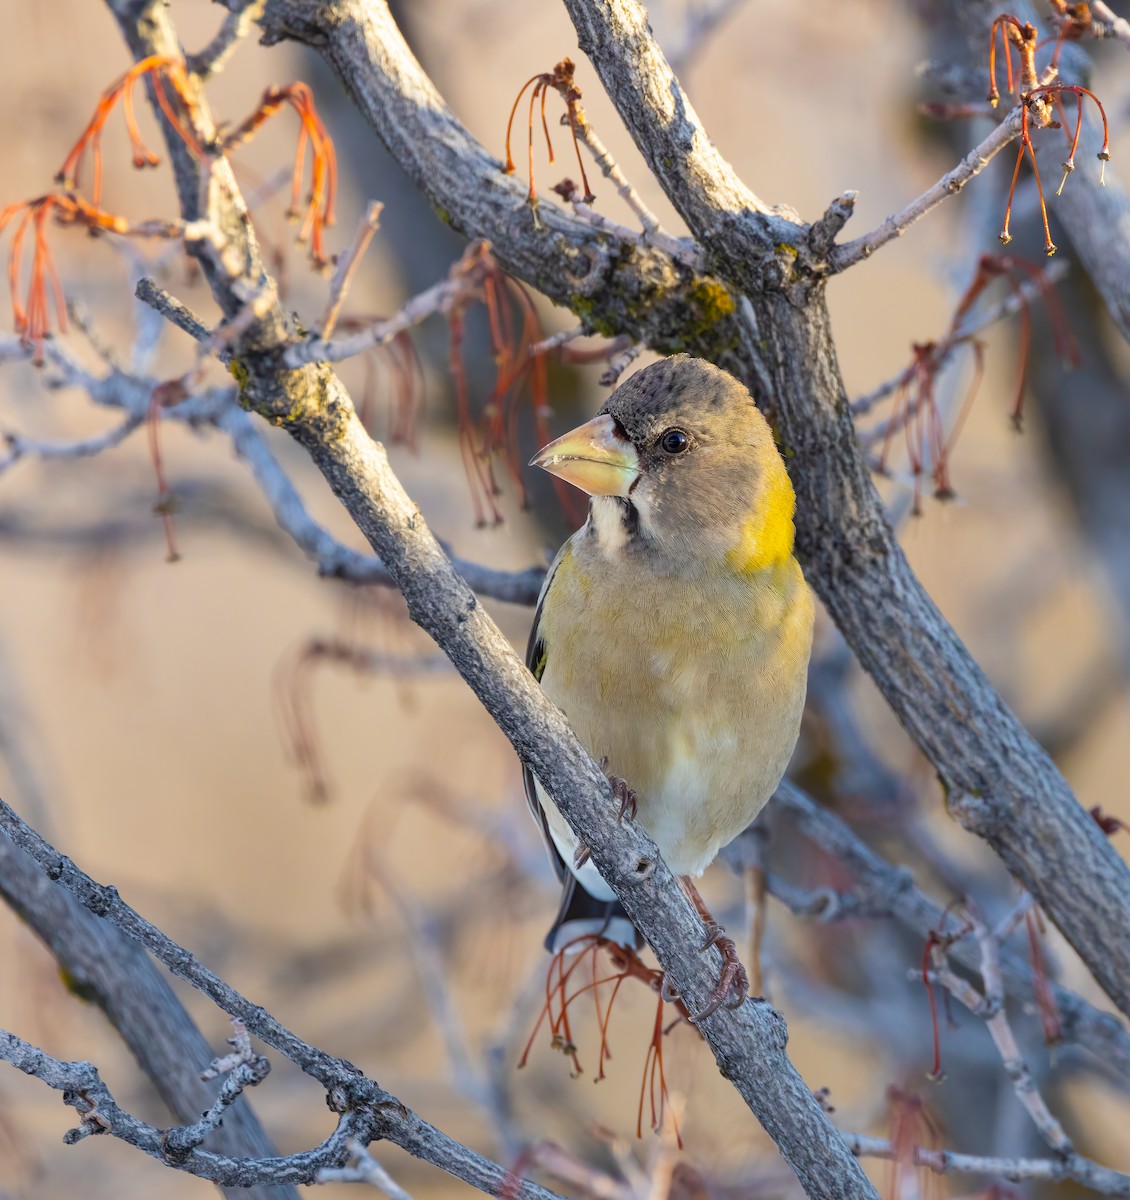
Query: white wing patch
[565, 841]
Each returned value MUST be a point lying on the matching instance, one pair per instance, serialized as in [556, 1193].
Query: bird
[673, 630]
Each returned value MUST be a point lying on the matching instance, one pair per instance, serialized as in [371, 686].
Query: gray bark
[105, 967]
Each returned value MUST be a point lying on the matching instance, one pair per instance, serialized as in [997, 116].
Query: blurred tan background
[138, 724]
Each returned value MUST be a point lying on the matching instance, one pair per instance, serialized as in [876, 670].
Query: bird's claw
[714, 935]
[733, 984]
[627, 799]
[581, 855]
[621, 793]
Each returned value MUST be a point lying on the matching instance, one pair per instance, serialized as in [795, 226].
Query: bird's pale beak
[593, 457]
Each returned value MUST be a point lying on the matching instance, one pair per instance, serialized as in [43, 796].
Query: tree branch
[367, 1110]
[1102, 1034]
[1114, 25]
[946, 1162]
[849, 253]
[114, 972]
[237, 25]
[83, 1090]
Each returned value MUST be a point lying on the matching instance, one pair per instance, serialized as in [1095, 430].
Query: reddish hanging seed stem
[1001, 23]
[142, 156]
[970, 394]
[654, 1075]
[1069, 165]
[1049, 245]
[606, 1050]
[932, 941]
[47, 267]
[15, 251]
[589, 197]
[532, 195]
[561, 81]
[510, 168]
[472, 462]
[96, 160]
[91, 135]
[1004, 234]
[164, 496]
[545, 125]
[1024, 342]
[559, 997]
[171, 115]
[1061, 120]
[295, 208]
[1063, 339]
[1045, 1001]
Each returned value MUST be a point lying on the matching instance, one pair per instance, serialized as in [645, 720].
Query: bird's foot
[626, 798]
[621, 793]
[733, 984]
[581, 855]
[667, 990]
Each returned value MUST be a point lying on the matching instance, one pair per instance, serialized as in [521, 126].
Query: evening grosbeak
[673, 630]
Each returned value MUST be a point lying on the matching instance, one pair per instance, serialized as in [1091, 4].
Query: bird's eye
[674, 441]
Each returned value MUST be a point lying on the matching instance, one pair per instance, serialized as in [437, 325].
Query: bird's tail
[582, 914]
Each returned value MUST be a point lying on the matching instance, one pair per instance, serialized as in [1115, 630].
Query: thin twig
[849, 253]
[334, 558]
[1115, 25]
[620, 364]
[465, 276]
[20, 446]
[991, 1008]
[237, 25]
[558, 339]
[363, 1168]
[150, 292]
[610, 169]
[702, 20]
[946, 1162]
[347, 265]
[99, 1113]
[243, 1068]
[83, 321]
[682, 250]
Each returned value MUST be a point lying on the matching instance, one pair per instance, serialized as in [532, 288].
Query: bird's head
[681, 466]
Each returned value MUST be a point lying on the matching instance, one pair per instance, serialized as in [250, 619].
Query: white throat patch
[606, 519]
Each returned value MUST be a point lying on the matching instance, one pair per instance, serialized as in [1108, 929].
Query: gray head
[681, 467]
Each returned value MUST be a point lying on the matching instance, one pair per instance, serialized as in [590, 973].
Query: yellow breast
[691, 687]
